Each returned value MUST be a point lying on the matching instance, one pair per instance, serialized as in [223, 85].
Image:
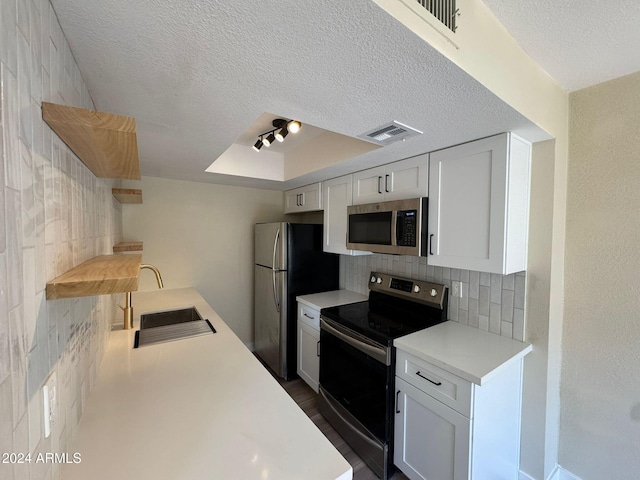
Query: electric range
[357, 360]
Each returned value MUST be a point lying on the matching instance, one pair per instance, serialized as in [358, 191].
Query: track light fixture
[294, 126]
[281, 135]
[269, 140]
[281, 128]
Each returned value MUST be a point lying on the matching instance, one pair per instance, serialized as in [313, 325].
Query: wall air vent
[390, 133]
[443, 10]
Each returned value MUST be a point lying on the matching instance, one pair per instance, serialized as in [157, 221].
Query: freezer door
[270, 316]
[270, 245]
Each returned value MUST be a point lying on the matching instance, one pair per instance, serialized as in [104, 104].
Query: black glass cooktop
[383, 317]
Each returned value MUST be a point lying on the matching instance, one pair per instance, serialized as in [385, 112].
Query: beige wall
[201, 235]
[600, 396]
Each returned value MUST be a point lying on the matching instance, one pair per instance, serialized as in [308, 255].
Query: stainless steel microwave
[397, 227]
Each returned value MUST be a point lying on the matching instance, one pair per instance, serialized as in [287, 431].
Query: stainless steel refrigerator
[289, 261]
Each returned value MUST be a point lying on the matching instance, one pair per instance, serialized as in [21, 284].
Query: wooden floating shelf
[127, 195]
[101, 275]
[105, 142]
[127, 247]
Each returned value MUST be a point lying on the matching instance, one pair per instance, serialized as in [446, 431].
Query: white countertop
[333, 298]
[467, 352]
[197, 408]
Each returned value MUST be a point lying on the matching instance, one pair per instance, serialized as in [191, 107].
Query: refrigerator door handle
[275, 250]
[276, 300]
[274, 270]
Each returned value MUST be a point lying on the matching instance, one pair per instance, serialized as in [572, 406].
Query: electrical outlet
[49, 395]
[457, 289]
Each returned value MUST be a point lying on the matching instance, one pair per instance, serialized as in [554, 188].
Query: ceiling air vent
[443, 10]
[390, 133]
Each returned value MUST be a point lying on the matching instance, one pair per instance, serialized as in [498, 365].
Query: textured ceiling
[196, 75]
[579, 43]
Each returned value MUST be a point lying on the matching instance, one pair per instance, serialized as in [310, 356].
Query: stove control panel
[416, 290]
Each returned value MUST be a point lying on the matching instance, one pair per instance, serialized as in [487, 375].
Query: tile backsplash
[54, 214]
[490, 302]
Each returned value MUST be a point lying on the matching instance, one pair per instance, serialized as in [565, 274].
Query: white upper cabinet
[395, 181]
[368, 186]
[337, 196]
[303, 199]
[479, 205]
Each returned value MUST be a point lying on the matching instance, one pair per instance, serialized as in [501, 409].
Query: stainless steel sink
[161, 319]
[171, 325]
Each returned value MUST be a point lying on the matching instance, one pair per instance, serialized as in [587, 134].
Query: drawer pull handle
[397, 404]
[308, 316]
[437, 384]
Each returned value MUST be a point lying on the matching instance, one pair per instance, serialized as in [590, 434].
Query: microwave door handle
[394, 227]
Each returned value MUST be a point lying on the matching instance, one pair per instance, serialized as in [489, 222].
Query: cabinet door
[292, 201]
[308, 355]
[311, 198]
[336, 197]
[432, 441]
[303, 199]
[407, 179]
[467, 201]
[368, 186]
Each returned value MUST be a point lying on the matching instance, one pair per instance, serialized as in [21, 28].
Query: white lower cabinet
[447, 428]
[308, 364]
[444, 452]
[309, 359]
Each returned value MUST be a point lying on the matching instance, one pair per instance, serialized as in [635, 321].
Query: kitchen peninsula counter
[197, 408]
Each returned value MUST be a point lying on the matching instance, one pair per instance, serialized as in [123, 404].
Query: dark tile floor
[307, 399]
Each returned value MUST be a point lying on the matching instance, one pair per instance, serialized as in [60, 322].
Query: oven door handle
[376, 352]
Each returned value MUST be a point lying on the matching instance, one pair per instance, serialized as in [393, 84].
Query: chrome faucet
[128, 309]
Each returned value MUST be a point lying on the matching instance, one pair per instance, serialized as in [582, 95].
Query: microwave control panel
[406, 228]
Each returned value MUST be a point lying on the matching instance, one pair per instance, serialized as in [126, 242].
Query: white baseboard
[558, 473]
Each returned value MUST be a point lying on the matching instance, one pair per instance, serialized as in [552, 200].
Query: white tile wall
[494, 303]
[54, 214]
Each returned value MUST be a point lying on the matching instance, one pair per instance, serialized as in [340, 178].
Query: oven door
[357, 373]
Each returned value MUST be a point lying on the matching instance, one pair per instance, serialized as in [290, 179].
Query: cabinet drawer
[440, 384]
[309, 316]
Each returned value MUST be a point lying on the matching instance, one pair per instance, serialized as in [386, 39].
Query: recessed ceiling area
[196, 74]
[306, 151]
